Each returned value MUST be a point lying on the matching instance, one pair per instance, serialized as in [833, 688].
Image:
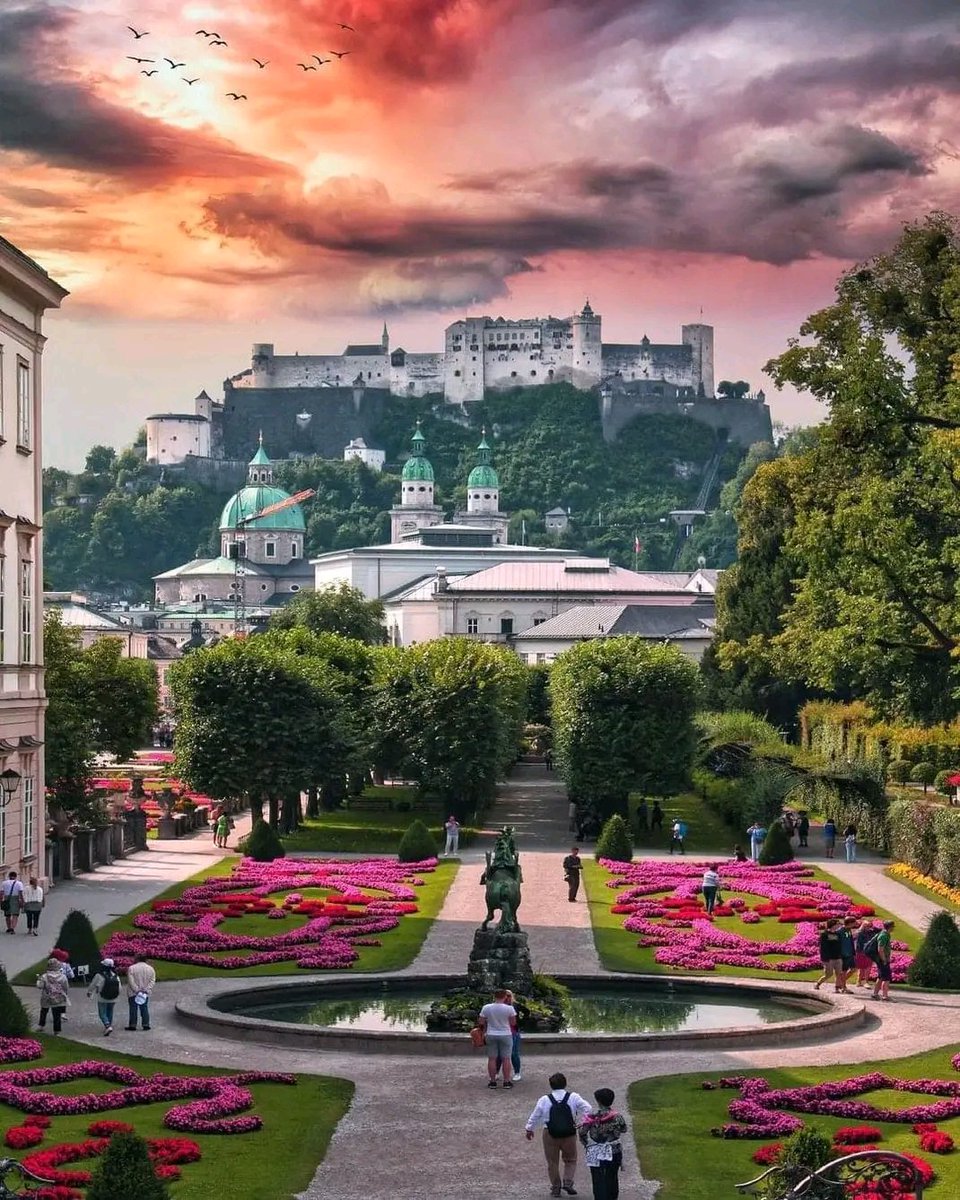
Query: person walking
[882, 953]
[831, 955]
[11, 900]
[710, 886]
[497, 1020]
[106, 986]
[559, 1113]
[848, 950]
[141, 978]
[678, 831]
[829, 837]
[656, 816]
[452, 829]
[850, 843]
[33, 902]
[864, 963]
[572, 866]
[572, 816]
[223, 830]
[54, 994]
[803, 828]
[600, 1134]
[643, 817]
[756, 834]
[548, 759]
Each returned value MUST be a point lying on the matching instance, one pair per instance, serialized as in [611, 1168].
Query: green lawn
[619, 951]
[274, 1163]
[671, 1119]
[365, 831]
[707, 833]
[400, 946]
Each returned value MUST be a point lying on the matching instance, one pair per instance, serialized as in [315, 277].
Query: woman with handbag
[11, 898]
[33, 905]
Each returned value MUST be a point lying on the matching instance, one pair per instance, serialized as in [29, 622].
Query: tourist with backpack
[559, 1113]
[863, 961]
[880, 951]
[106, 986]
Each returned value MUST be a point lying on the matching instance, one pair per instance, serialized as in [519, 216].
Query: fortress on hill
[318, 403]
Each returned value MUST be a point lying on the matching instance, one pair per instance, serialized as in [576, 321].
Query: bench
[881, 1172]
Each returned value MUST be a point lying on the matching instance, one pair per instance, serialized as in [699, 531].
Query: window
[270, 549]
[29, 812]
[294, 587]
[24, 407]
[473, 624]
[199, 597]
[294, 549]
[541, 659]
[457, 374]
[506, 626]
[539, 620]
[26, 611]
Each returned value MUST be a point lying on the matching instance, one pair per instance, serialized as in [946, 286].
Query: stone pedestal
[500, 960]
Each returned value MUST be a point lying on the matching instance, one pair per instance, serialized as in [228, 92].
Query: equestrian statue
[503, 878]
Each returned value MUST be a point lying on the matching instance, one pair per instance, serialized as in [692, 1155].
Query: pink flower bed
[365, 898]
[660, 902]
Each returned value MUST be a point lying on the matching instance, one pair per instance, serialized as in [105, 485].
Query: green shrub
[776, 848]
[937, 962]
[899, 770]
[925, 773]
[940, 782]
[125, 1172]
[913, 838]
[417, 843]
[403, 806]
[615, 841]
[78, 939]
[14, 1020]
[263, 843]
[803, 1152]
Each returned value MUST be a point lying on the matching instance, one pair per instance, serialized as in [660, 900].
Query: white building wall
[271, 370]
[171, 439]
[25, 293]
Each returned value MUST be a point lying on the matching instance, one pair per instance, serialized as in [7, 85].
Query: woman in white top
[710, 886]
[33, 905]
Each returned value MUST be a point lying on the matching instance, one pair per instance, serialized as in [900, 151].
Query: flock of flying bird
[212, 38]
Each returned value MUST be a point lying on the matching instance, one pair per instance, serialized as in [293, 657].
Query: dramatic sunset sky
[466, 156]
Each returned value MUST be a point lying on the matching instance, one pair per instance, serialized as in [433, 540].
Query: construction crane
[237, 554]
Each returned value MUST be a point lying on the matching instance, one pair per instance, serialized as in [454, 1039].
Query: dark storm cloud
[48, 115]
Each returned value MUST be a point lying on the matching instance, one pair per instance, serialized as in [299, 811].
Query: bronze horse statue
[503, 878]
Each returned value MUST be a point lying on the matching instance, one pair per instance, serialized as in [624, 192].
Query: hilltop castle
[308, 404]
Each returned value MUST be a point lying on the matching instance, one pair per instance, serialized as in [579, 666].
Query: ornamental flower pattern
[660, 902]
[366, 897]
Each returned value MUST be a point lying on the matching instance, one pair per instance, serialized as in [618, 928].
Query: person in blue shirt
[757, 833]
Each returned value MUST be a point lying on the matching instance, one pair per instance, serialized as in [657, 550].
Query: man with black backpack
[559, 1112]
[106, 985]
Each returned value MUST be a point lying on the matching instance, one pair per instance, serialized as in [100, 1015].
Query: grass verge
[671, 1119]
[400, 946]
[619, 951]
[274, 1163]
[928, 893]
[707, 833]
[360, 830]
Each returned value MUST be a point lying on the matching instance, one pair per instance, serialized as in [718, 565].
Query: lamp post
[9, 782]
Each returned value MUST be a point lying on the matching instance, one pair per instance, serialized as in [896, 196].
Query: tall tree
[623, 712]
[123, 697]
[69, 733]
[339, 609]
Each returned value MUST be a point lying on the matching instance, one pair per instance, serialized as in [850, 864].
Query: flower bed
[927, 882]
[659, 901]
[362, 899]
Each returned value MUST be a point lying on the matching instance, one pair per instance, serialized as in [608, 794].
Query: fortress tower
[585, 365]
[700, 340]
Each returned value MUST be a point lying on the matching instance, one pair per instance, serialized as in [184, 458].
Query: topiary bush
[14, 1019]
[417, 843]
[925, 773]
[615, 841]
[803, 1152]
[776, 848]
[937, 963]
[263, 843]
[126, 1173]
[78, 939]
[940, 782]
[899, 770]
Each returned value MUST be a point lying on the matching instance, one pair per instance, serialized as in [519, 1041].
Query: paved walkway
[423, 1128]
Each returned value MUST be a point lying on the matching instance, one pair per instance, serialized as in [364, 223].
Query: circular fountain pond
[612, 1012]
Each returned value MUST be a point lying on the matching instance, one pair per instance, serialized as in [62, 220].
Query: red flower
[856, 1135]
[107, 1129]
[935, 1142]
[767, 1155]
[22, 1137]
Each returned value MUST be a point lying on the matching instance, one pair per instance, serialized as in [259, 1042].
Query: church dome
[483, 476]
[252, 499]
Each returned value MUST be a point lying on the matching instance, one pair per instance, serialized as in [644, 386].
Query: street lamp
[9, 782]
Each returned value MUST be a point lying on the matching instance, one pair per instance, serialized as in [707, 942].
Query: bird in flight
[203, 33]
[137, 33]
[218, 41]
[191, 82]
[153, 72]
[260, 64]
[235, 96]
[133, 58]
[350, 28]
[322, 61]
[341, 53]
[304, 67]
[173, 64]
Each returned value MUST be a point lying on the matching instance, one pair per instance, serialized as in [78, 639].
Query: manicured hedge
[927, 837]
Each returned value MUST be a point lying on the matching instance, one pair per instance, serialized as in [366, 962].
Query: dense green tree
[100, 459]
[715, 539]
[937, 963]
[417, 843]
[69, 738]
[449, 714]
[925, 773]
[623, 713]
[776, 848]
[615, 841]
[125, 1171]
[263, 843]
[538, 694]
[339, 609]
[123, 697]
[78, 939]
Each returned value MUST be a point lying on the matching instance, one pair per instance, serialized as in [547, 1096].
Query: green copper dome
[252, 499]
[483, 475]
[417, 468]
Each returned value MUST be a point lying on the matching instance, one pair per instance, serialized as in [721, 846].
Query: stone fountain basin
[218, 1012]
